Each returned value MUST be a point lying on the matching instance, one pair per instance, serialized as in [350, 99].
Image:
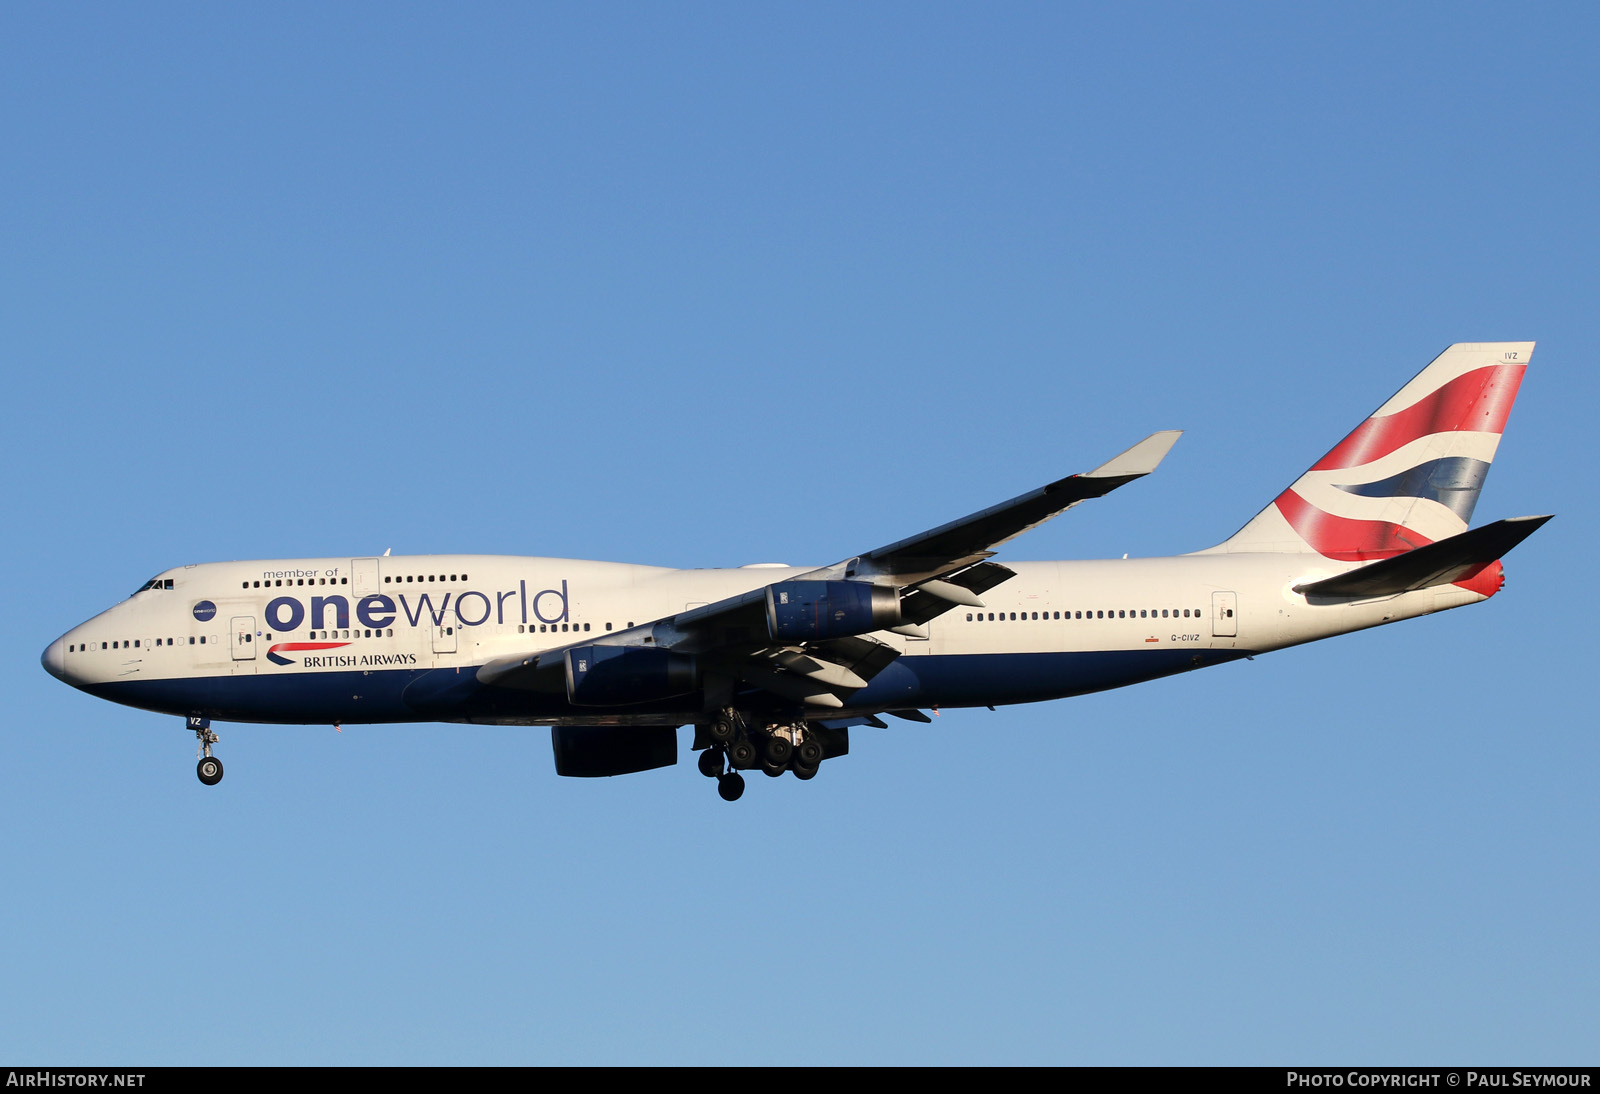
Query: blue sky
[704, 285]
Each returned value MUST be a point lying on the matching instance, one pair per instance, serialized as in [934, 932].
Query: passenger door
[1224, 614]
[244, 637]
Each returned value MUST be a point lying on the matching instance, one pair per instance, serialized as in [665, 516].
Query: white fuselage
[340, 640]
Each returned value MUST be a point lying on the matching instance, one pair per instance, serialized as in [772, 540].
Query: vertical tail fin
[1407, 476]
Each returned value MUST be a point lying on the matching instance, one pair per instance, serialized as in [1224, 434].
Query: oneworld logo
[469, 608]
[205, 611]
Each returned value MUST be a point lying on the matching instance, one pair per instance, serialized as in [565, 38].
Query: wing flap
[921, 604]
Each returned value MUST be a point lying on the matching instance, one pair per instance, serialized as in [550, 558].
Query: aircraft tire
[711, 762]
[778, 751]
[209, 769]
[802, 772]
[730, 786]
[809, 754]
[722, 731]
[742, 754]
[772, 770]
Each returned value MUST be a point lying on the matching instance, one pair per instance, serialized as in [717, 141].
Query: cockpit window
[154, 583]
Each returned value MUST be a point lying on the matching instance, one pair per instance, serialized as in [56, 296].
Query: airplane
[773, 665]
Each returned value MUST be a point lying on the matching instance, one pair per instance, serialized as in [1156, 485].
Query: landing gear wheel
[711, 762]
[778, 751]
[772, 771]
[803, 773]
[730, 786]
[723, 730]
[742, 754]
[809, 754]
[209, 768]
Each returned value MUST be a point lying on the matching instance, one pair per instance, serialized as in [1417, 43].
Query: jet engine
[799, 611]
[588, 752]
[607, 676]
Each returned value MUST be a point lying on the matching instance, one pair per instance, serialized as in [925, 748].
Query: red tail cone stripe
[1485, 581]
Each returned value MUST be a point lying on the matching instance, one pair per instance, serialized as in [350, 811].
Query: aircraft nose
[54, 660]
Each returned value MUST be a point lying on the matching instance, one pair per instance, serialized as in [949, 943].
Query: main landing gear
[744, 747]
[209, 769]
[730, 784]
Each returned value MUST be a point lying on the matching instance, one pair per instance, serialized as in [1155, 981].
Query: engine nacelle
[611, 676]
[591, 752]
[802, 610]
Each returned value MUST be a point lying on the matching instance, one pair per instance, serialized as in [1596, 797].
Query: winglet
[1141, 459]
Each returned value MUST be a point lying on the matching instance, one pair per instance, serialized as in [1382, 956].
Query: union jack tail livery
[1410, 474]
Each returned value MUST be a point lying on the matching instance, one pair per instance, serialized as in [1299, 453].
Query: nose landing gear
[209, 769]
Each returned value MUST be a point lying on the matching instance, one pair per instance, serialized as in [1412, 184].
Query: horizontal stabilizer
[1438, 563]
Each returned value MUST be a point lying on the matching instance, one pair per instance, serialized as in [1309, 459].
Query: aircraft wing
[819, 650]
[972, 538]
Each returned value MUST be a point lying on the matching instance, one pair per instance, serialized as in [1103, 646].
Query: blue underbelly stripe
[422, 695]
